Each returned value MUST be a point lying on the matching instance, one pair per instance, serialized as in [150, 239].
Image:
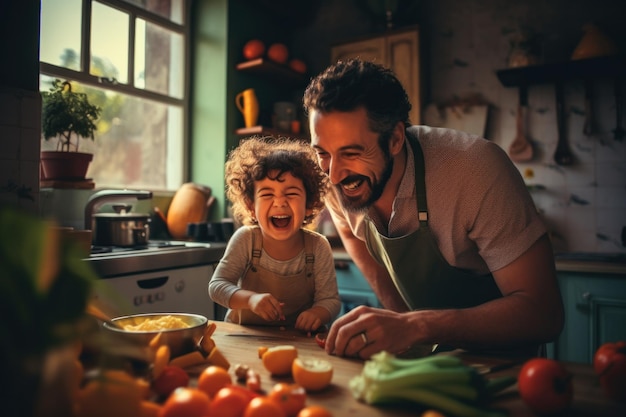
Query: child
[275, 271]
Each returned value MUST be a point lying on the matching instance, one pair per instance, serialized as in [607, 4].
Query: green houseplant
[67, 116]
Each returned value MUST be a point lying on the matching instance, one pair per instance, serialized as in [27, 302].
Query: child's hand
[266, 306]
[308, 321]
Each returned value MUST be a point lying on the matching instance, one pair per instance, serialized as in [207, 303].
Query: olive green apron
[295, 291]
[419, 271]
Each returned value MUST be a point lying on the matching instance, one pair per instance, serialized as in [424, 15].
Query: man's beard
[363, 202]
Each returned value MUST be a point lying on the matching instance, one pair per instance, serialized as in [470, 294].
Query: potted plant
[67, 116]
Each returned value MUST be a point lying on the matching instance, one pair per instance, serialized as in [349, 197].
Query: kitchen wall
[464, 43]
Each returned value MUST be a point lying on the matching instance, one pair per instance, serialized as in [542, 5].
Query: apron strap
[257, 246]
[420, 180]
[309, 253]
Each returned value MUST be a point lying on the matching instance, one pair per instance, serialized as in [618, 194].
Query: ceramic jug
[248, 105]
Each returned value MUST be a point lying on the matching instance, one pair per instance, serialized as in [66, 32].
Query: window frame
[84, 77]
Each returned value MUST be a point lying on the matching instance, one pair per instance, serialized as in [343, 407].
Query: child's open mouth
[281, 221]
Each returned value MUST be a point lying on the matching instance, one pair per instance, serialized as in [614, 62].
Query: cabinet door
[595, 313]
[403, 59]
[398, 51]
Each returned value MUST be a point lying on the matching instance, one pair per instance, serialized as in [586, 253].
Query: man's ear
[396, 142]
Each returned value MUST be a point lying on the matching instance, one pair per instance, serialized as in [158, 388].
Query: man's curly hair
[257, 158]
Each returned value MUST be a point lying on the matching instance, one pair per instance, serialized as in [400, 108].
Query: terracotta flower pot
[65, 165]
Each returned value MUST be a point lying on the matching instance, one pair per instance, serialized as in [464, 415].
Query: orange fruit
[261, 350]
[312, 373]
[113, 393]
[263, 407]
[229, 402]
[278, 52]
[212, 379]
[253, 49]
[291, 397]
[150, 409]
[277, 360]
[185, 402]
[314, 411]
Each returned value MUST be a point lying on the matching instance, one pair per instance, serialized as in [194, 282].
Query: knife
[261, 337]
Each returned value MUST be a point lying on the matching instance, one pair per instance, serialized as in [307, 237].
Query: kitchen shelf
[607, 66]
[273, 71]
[268, 131]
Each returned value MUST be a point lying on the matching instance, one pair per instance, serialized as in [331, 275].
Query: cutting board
[466, 118]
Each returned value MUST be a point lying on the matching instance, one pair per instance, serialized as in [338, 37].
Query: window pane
[170, 9]
[139, 143]
[159, 59]
[60, 32]
[109, 43]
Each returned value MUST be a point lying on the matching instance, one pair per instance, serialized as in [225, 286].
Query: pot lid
[124, 216]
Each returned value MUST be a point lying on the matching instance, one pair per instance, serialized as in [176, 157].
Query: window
[131, 58]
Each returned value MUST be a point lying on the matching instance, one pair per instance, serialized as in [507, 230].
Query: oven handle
[151, 283]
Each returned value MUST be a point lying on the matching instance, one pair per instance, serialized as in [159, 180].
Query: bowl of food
[180, 331]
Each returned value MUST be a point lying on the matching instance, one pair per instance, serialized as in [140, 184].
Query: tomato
[545, 386]
[291, 397]
[212, 379]
[297, 65]
[229, 402]
[314, 411]
[278, 52]
[263, 407]
[185, 402]
[320, 339]
[609, 363]
[253, 49]
[169, 379]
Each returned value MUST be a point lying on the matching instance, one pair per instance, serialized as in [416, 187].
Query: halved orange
[312, 373]
[277, 360]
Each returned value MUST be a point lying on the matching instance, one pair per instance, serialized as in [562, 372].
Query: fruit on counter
[442, 382]
[312, 373]
[277, 360]
[261, 350]
[320, 339]
[432, 413]
[278, 52]
[253, 49]
[111, 393]
[212, 379]
[169, 379]
[314, 411]
[263, 407]
[161, 359]
[609, 363]
[253, 380]
[297, 65]
[185, 402]
[290, 397]
[545, 386]
[230, 402]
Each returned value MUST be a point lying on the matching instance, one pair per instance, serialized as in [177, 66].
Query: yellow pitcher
[248, 105]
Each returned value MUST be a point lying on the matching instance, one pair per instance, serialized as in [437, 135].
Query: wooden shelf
[607, 66]
[268, 131]
[273, 71]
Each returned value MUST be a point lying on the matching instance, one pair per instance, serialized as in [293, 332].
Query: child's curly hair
[256, 157]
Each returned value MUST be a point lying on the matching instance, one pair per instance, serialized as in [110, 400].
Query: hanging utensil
[521, 148]
[619, 132]
[562, 155]
[590, 126]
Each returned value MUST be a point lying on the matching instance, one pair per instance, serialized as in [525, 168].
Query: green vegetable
[441, 382]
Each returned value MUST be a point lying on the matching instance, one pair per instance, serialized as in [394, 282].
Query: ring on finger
[364, 338]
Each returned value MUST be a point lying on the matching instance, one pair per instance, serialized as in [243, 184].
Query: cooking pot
[122, 228]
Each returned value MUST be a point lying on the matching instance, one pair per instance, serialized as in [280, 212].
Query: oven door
[179, 290]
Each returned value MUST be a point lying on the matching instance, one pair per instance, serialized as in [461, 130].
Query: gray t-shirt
[238, 255]
[479, 209]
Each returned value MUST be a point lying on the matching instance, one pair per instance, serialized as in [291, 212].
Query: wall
[464, 43]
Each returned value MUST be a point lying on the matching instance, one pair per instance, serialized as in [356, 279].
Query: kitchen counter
[152, 259]
[588, 397]
[601, 263]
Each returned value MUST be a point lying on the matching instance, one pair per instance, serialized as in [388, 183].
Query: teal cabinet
[595, 313]
[354, 290]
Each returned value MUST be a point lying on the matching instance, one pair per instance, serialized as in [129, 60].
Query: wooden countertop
[588, 397]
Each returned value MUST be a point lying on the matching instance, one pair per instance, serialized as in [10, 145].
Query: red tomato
[609, 363]
[229, 402]
[320, 339]
[297, 65]
[171, 378]
[186, 402]
[545, 386]
[253, 49]
[278, 52]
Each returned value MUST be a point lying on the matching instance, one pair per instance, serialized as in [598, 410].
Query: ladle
[521, 148]
[101, 315]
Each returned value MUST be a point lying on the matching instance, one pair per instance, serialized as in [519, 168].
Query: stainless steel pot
[121, 229]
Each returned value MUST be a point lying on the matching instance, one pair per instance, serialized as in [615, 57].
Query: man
[439, 222]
